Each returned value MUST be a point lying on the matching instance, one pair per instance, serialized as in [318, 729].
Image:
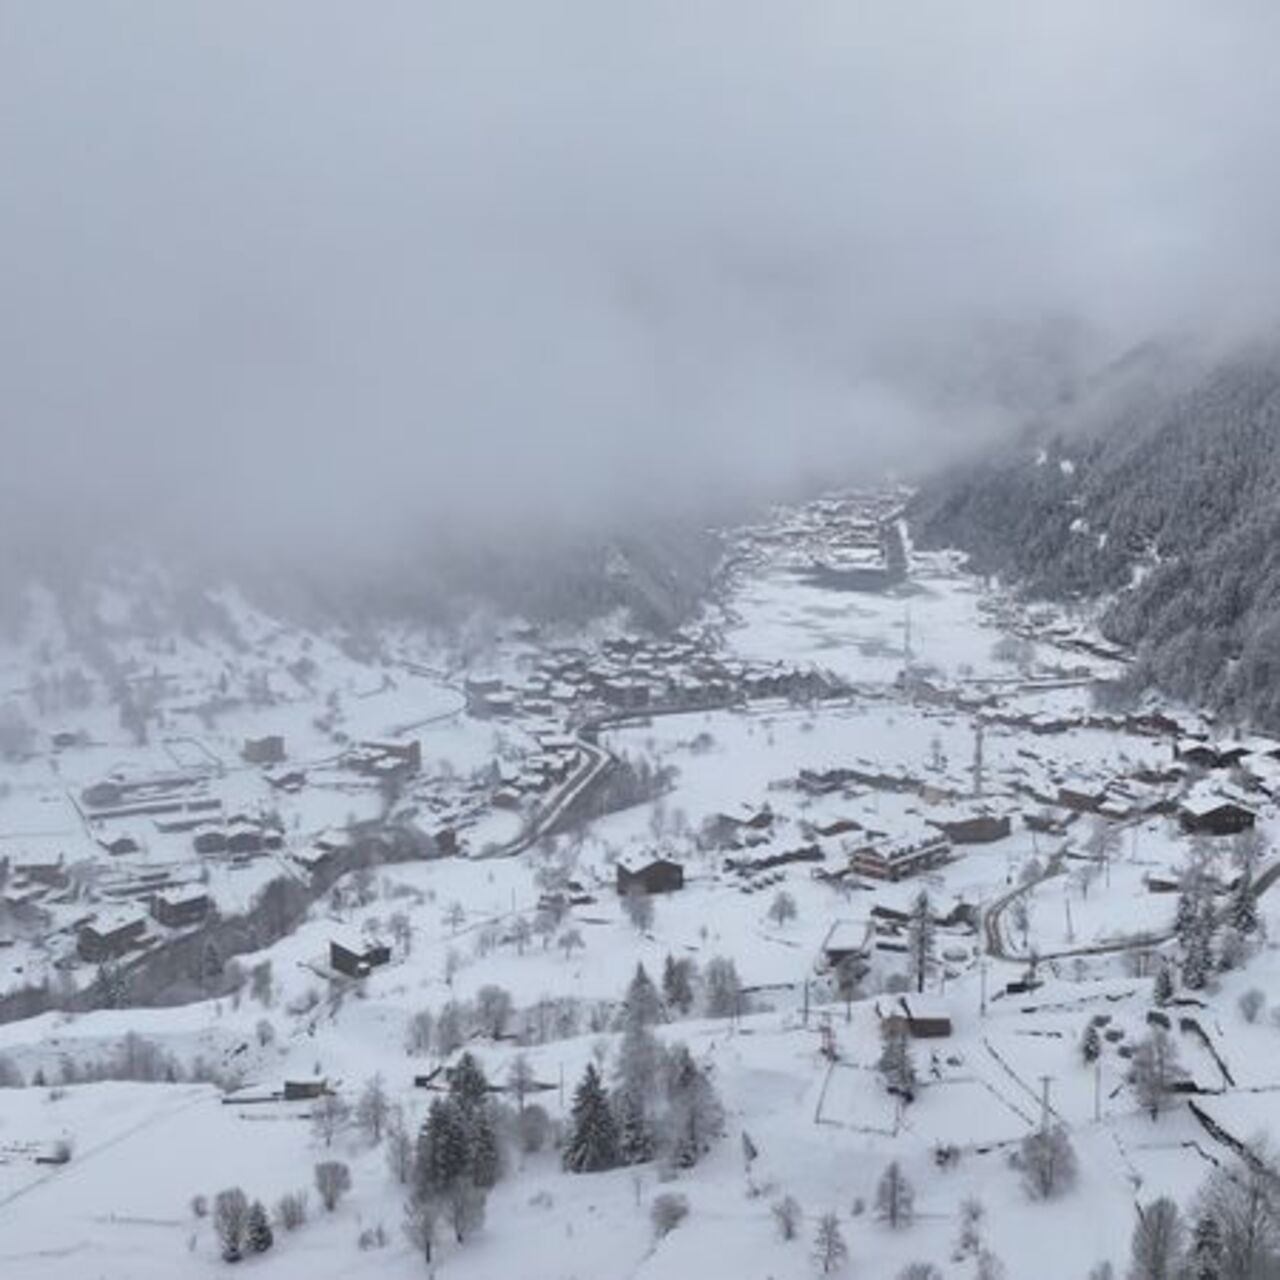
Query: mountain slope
[1164, 496]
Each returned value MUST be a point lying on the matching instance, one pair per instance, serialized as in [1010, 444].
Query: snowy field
[796, 1071]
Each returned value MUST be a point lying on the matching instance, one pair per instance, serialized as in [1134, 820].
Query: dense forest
[1158, 492]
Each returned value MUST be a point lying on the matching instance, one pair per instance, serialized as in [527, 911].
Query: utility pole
[982, 976]
[806, 1002]
[1044, 1103]
[979, 763]
[1097, 1090]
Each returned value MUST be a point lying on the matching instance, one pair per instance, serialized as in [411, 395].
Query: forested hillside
[1159, 489]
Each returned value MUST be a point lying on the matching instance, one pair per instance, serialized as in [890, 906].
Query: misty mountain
[1157, 492]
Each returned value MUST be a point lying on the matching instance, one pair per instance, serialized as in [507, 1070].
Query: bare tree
[667, 1212]
[417, 1036]
[782, 909]
[1048, 1163]
[231, 1222]
[333, 1181]
[639, 908]
[895, 1197]
[329, 1115]
[1154, 1069]
[520, 1079]
[421, 1214]
[1158, 1238]
[787, 1215]
[291, 1210]
[829, 1249]
[372, 1109]
[493, 1010]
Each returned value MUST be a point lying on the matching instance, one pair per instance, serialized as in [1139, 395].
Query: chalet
[290, 781]
[355, 958]
[211, 841]
[268, 750]
[923, 1017]
[109, 936]
[973, 828]
[847, 940]
[1081, 797]
[1196, 753]
[102, 795]
[1214, 815]
[178, 908]
[305, 1090]
[119, 845]
[662, 875]
[901, 856]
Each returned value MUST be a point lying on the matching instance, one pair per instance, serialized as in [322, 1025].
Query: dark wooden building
[662, 875]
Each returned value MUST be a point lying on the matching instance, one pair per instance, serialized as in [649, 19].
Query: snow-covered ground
[797, 1072]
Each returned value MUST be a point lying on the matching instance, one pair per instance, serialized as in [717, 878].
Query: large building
[897, 857]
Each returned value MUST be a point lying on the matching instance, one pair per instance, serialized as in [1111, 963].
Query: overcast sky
[270, 269]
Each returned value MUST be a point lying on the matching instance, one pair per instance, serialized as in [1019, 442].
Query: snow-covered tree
[895, 1197]
[694, 1116]
[1154, 1069]
[333, 1181]
[1091, 1043]
[1048, 1162]
[231, 1222]
[723, 988]
[895, 1064]
[258, 1234]
[1156, 1250]
[920, 938]
[493, 1010]
[372, 1109]
[787, 1217]
[677, 984]
[329, 1115]
[829, 1249]
[592, 1144]
[782, 910]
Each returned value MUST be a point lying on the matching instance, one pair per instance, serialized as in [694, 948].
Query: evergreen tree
[1197, 959]
[1163, 992]
[1205, 1255]
[593, 1133]
[677, 989]
[443, 1155]
[920, 938]
[258, 1233]
[695, 1117]
[642, 1005]
[1156, 1251]
[468, 1084]
[1243, 912]
[1091, 1044]
[635, 1132]
[895, 1065]
[486, 1156]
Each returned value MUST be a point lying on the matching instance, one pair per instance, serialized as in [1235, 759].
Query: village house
[354, 957]
[110, 935]
[898, 857]
[179, 908]
[923, 1017]
[662, 875]
[1214, 815]
[268, 750]
[847, 940]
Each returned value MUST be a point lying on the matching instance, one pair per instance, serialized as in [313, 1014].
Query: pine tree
[1243, 912]
[486, 1156]
[642, 1006]
[677, 990]
[895, 1062]
[1091, 1044]
[593, 1132]
[1163, 992]
[694, 1116]
[920, 938]
[468, 1084]
[635, 1133]
[1205, 1255]
[1197, 959]
[443, 1155]
[258, 1233]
